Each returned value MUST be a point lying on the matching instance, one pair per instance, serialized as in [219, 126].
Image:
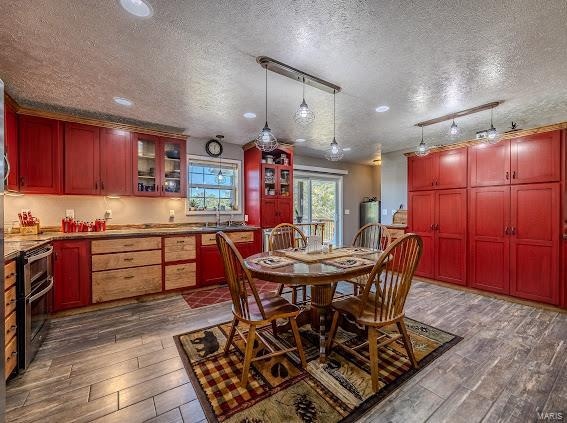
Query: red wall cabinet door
[422, 172]
[40, 154]
[71, 274]
[115, 162]
[452, 169]
[489, 164]
[534, 243]
[451, 236]
[211, 267]
[269, 212]
[11, 148]
[421, 220]
[489, 235]
[284, 210]
[536, 158]
[82, 168]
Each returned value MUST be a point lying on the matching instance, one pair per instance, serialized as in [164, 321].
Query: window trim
[239, 186]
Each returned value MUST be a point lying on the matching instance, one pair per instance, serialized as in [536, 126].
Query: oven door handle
[42, 292]
[40, 256]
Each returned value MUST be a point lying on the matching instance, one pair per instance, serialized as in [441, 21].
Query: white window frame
[215, 162]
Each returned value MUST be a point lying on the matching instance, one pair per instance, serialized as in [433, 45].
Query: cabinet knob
[21, 181]
[507, 175]
[514, 175]
[506, 230]
[128, 258]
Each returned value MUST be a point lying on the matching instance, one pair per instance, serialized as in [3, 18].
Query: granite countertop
[14, 244]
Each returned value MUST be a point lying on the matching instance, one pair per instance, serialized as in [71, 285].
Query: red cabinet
[529, 159]
[534, 243]
[442, 170]
[82, 159]
[489, 246]
[211, 269]
[159, 166]
[115, 162]
[40, 155]
[11, 148]
[71, 274]
[421, 221]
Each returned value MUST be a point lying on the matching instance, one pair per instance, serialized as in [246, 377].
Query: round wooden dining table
[320, 276]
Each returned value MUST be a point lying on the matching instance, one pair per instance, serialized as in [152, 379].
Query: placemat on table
[355, 251]
[315, 257]
[272, 261]
[349, 262]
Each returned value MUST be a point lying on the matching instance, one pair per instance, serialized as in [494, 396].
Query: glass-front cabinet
[277, 180]
[160, 169]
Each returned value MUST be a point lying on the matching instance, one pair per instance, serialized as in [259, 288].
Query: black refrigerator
[369, 212]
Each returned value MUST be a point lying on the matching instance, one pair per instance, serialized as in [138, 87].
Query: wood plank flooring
[121, 365]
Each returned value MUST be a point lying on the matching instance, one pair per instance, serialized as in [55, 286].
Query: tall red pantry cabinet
[512, 215]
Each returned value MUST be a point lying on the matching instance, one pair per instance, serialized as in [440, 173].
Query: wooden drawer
[210, 239]
[125, 283]
[180, 248]
[9, 301]
[124, 260]
[10, 357]
[9, 274]
[180, 276]
[10, 328]
[125, 244]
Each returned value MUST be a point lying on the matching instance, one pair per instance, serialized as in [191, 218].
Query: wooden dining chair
[392, 276]
[372, 235]
[286, 235]
[254, 310]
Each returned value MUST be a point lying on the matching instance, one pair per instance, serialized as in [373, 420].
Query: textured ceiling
[192, 65]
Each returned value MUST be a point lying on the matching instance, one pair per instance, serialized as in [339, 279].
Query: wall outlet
[347, 211]
[384, 212]
[70, 213]
[108, 214]
[171, 213]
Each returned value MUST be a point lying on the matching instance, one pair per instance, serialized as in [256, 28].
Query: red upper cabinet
[82, 154]
[40, 155]
[422, 172]
[11, 148]
[452, 169]
[536, 158]
[71, 274]
[115, 162]
[489, 164]
[441, 170]
[534, 242]
[159, 166]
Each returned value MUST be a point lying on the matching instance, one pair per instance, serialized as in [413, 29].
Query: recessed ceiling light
[138, 8]
[347, 148]
[249, 115]
[382, 109]
[123, 101]
[300, 140]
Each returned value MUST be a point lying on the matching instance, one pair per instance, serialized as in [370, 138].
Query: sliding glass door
[317, 202]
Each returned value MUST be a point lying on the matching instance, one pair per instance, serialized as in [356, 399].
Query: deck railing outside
[324, 227]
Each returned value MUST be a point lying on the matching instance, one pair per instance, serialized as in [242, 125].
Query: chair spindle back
[372, 235]
[286, 235]
[240, 282]
[392, 276]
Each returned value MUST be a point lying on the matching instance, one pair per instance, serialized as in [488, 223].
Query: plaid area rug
[279, 390]
[220, 294]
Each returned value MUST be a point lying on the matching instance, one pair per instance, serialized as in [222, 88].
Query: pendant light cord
[334, 113]
[422, 134]
[266, 95]
[491, 109]
[303, 88]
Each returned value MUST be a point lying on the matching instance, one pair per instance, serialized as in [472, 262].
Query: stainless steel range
[34, 301]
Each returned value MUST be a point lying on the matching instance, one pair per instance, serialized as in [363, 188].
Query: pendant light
[304, 115]
[422, 148]
[220, 176]
[334, 151]
[492, 135]
[454, 131]
[266, 141]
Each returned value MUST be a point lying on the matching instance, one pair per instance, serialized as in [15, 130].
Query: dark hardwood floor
[121, 365]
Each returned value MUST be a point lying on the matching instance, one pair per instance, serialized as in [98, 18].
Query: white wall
[394, 181]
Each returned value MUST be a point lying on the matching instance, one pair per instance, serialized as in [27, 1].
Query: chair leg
[280, 289]
[230, 335]
[248, 355]
[274, 328]
[304, 293]
[355, 289]
[294, 295]
[373, 349]
[332, 332]
[407, 342]
[298, 342]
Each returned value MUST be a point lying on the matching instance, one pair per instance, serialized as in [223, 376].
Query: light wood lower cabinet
[179, 248]
[124, 283]
[120, 245]
[124, 260]
[180, 275]
[10, 357]
[10, 301]
[210, 239]
[10, 327]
